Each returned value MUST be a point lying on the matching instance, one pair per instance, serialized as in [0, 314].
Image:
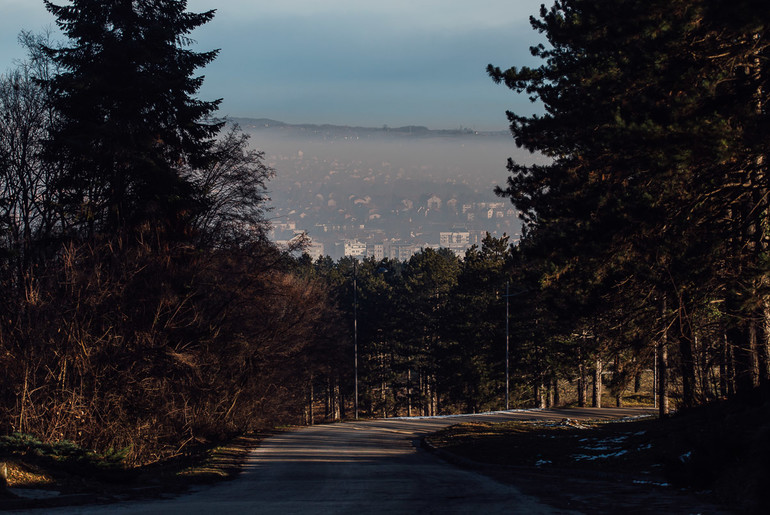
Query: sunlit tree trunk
[687, 361]
[309, 410]
[433, 396]
[582, 374]
[540, 393]
[764, 344]
[556, 397]
[637, 382]
[743, 343]
[409, 392]
[663, 400]
[618, 379]
[597, 390]
[336, 396]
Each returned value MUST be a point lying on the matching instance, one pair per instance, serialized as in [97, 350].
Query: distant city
[385, 192]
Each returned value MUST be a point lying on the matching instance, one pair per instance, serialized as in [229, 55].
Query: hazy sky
[354, 62]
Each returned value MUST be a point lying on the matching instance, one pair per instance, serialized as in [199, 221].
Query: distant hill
[328, 131]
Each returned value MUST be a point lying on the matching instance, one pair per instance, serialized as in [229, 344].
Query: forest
[145, 311]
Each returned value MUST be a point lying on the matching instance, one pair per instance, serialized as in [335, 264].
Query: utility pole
[507, 369]
[508, 295]
[355, 334]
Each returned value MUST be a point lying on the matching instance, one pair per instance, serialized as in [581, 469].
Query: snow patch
[654, 483]
[590, 457]
[34, 493]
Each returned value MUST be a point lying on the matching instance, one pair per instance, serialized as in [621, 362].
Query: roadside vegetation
[717, 451]
[64, 474]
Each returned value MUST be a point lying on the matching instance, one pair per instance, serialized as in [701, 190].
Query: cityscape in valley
[385, 192]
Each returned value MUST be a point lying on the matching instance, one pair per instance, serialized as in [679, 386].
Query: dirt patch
[589, 466]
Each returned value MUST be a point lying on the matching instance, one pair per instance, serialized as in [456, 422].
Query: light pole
[508, 295]
[355, 334]
[507, 367]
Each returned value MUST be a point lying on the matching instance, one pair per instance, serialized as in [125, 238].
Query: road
[356, 467]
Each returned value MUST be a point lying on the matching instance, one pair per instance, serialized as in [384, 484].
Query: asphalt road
[355, 467]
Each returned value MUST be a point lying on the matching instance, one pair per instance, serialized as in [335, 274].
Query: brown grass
[207, 464]
[720, 449]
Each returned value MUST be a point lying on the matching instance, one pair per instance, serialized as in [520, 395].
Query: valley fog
[403, 189]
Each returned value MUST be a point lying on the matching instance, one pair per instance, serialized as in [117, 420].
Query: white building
[375, 250]
[315, 250]
[355, 248]
[401, 251]
[454, 239]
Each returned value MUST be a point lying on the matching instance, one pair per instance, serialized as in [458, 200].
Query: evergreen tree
[429, 278]
[129, 123]
[655, 184]
[473, 361]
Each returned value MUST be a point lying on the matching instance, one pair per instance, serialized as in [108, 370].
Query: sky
[348, 62]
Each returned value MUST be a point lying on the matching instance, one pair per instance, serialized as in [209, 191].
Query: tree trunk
[556, 397]
[687, 362]
[637, 382]
[743, 343]
[764, 344]
[421, 388]
[731, 388]
[582, 376]
[337, 397]
[703, 388]
[597, 393]
[328, 405]
[540, 394]
[383, 386]
[663, 401]
[24, 395]
[409, 392]
[328, 399]
[434, 397]
[724, 389]
[310, 401]
[618, 382]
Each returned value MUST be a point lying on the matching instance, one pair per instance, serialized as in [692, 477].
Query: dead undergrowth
[717, 455]
[60, 482]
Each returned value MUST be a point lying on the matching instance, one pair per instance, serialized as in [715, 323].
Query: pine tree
[473, 327]
[129, 123]
[429, 277]
[651, 112]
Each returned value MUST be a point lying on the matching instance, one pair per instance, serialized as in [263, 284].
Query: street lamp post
[508, 295]
[507, 367]
[355, 335]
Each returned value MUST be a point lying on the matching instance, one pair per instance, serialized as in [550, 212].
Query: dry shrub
[156, 349]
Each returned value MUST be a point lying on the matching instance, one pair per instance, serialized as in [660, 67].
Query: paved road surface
[355, 467]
